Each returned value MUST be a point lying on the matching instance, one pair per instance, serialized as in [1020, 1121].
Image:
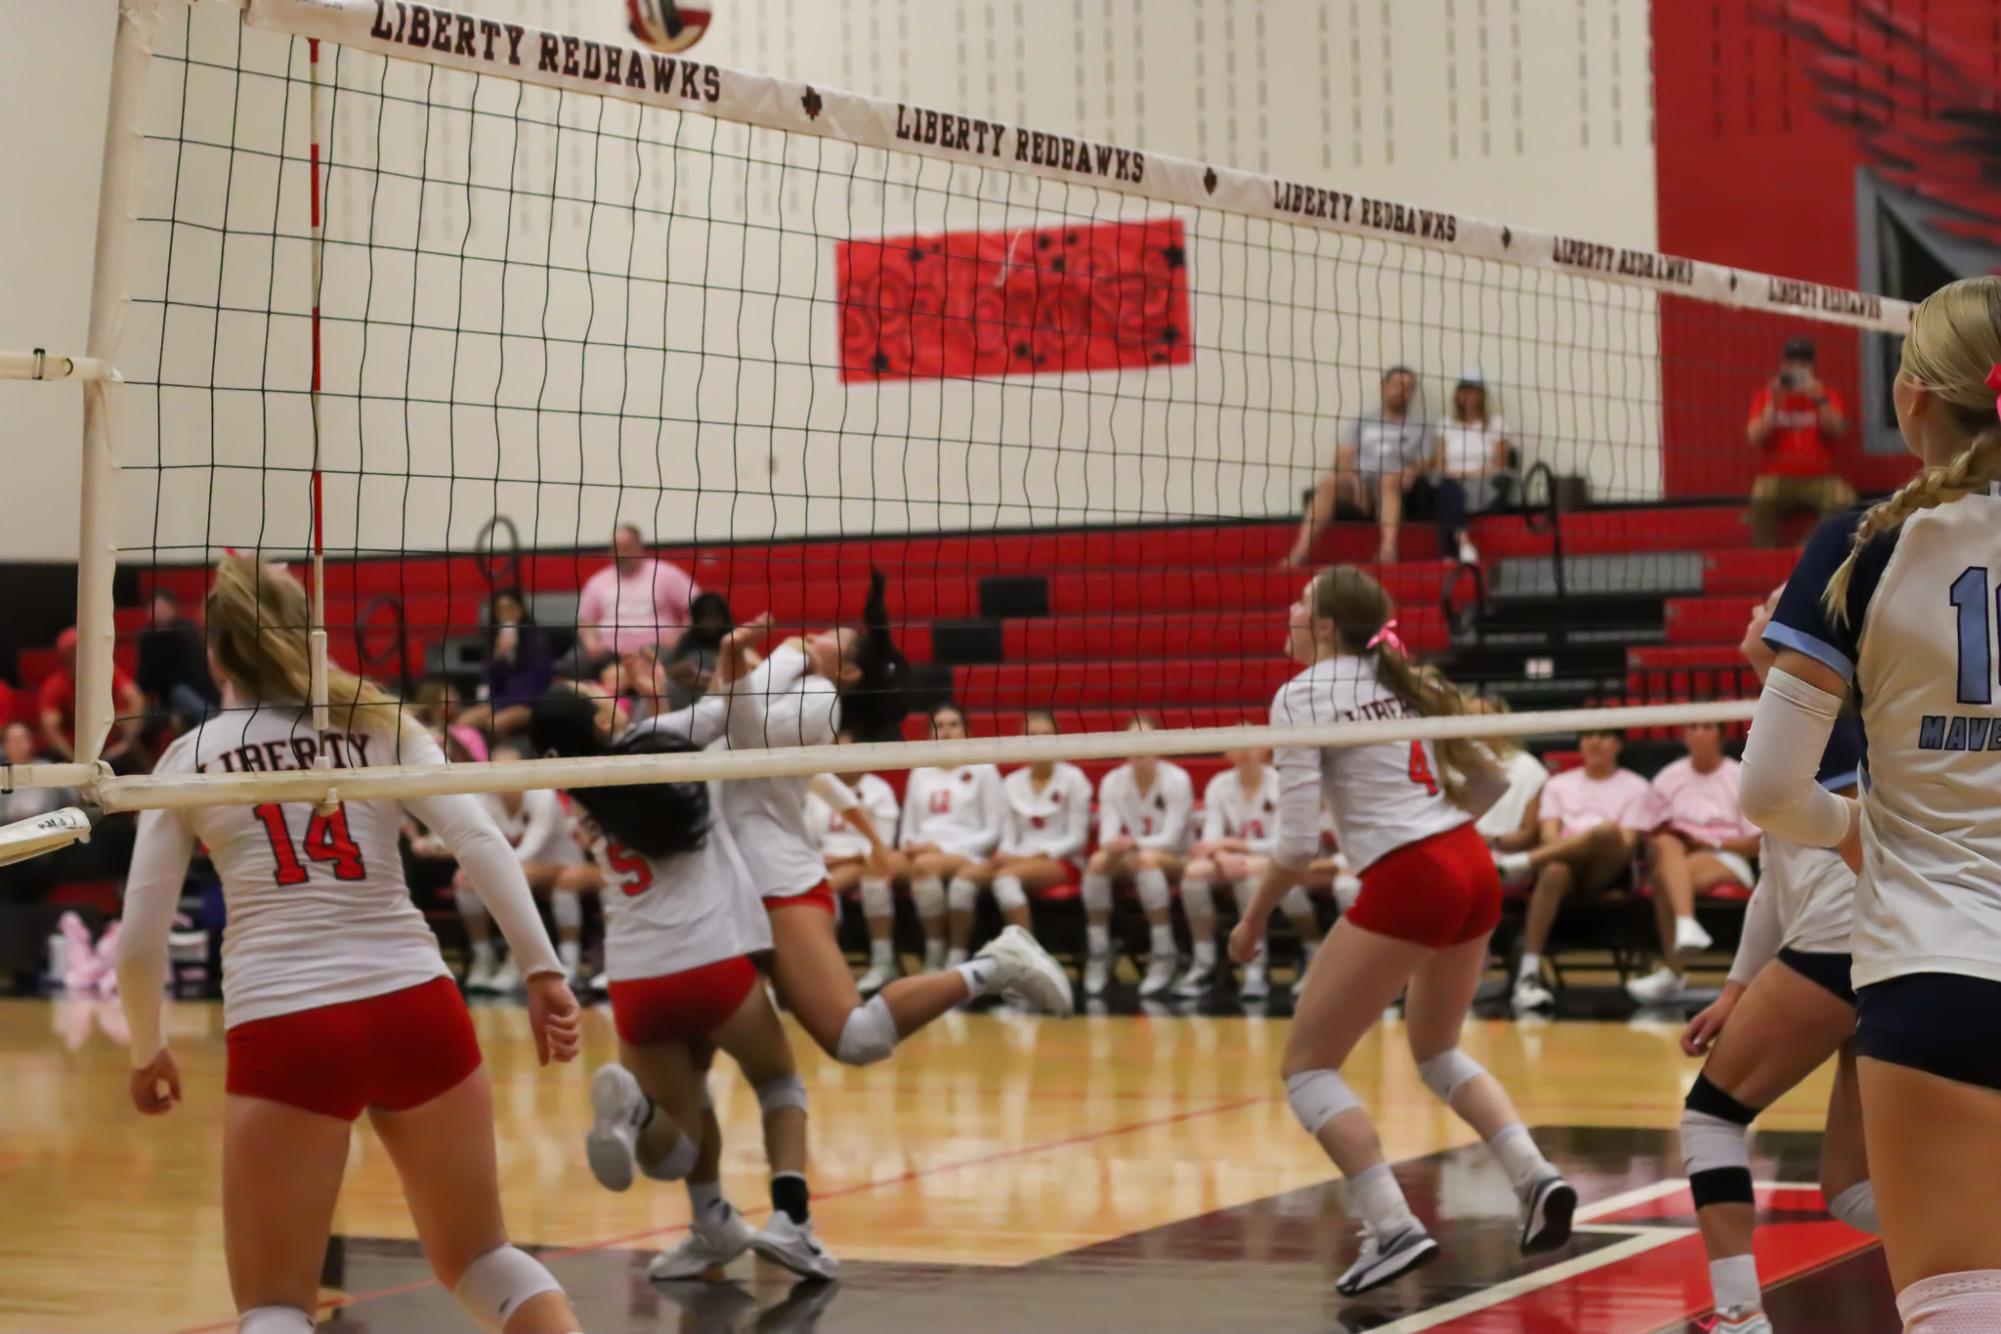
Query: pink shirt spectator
[648, 606]
[1583, 803]
[1701, 807]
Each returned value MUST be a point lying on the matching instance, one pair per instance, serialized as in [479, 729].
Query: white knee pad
[1856, 1207]
[1154, 895]
[1294, 904]
[1318, 1096]
[962, 894]
[1198, 898]
[877, 902]
[784, 1091]
[1446, 1073]
[868, 1036]
[568, 910]
[274, 1320]
[471, 906]
[1009, 896]
[1097, 893]
[500, 1283]
[675, 1164]
[928, 893]
[1968, 1302]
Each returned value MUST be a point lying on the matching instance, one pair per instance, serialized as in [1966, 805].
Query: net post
[97, 527]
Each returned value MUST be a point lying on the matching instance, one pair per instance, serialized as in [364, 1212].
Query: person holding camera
[1794, 420]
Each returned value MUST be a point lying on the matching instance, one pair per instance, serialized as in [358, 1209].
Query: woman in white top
[1472, 454]
[682, 924]
[1514, 822]
[1429, 901]
[1144, 807]
[1787, 1008]
[1048, 826]
[335, 999]
[856, 856]
[1239, 827]
[952, 822]
[1897, 605]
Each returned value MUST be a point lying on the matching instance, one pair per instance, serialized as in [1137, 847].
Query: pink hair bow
[1388, 635]
[1994, 383]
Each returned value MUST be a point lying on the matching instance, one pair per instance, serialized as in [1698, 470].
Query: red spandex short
[676, 1007]
[820, 896]
[394, 1051]
[1438, 891]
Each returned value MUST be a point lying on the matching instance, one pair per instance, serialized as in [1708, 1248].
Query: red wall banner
[1028, 302]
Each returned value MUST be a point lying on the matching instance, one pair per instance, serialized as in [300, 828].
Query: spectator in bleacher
[1471, 460]
[1702, 841]
[1592, 819]
[1380, 456]
[518, 667]
[1793, 421]
[694, 656]
[1514, 823]
[58, 701]
[635, 600]
[173, 664]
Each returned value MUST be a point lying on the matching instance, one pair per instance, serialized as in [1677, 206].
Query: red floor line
[915, 1174]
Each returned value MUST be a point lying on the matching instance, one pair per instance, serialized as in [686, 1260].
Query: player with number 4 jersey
[1430, 897]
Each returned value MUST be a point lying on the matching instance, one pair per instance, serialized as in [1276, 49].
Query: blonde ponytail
[1952, 352]
[258, 631]
[1359, 608]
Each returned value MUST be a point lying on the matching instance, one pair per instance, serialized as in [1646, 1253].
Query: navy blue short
[1829, 970]
[1944, 1024]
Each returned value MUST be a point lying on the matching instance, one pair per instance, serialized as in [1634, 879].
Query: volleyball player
[1897, 604]
[1239, 826]
[855, 855]
[681, 922]
[1786, 1009]
[952, 822]
[1429, 901]
[804, 694]
[1047, 828]
[335, 999]
[1143, 811]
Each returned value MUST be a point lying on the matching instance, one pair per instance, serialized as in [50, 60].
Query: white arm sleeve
[698, 724]
[1788, 733]
[1298, 807]
[152, 894]
[1759, 943]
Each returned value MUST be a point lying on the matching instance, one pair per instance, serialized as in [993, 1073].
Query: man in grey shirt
[1379, 456]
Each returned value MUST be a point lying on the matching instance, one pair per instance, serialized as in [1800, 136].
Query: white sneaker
[1097, 973]
[618, 1109]
[1663, 986]
[1741, 1320]
[875, 979]
[479, 974]
[784, 1242]
[1385, 1259]
[1468, 553]
[709, 1247]
[506, 979]
[1257, 982]
[1689, 937]
[1025, 972]
[1197, 981]
[1159, 975]
[1546, 1215]
[1531, 994]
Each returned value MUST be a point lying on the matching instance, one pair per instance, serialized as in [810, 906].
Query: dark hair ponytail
[652, 819]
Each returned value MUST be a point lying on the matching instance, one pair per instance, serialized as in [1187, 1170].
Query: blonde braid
[1972, 469]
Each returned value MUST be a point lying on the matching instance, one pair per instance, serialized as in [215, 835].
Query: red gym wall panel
[1030, 301]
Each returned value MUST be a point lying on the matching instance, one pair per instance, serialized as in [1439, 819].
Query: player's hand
[554, 1017]
[156, 1086]
[879, 863]
[1247, 939]
[1706, 1027]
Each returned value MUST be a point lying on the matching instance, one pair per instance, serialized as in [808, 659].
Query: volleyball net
[426, 306]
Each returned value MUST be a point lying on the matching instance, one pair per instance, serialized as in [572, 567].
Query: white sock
[882, 953]
[1205, 954]
[1733, 1283]
[1377, 1196]
[954, 957]
[571, 952]
[1519, 1156]
[1098, 940]
[274, 1320]
[1531, 967]
[706, 1197]
[979, 975]
[1163, 942]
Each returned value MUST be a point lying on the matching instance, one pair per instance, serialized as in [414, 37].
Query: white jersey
[1051, 821]
[1526, 776]
[1156, 818]
[1383, 796]
[1228, 813]
[540, 828]
[841, 841]
[961, 811]
[319, 913]
[1918, 645]
[782, 703]
[665, 915]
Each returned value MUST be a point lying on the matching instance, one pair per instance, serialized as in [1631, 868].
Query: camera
[1790, 378]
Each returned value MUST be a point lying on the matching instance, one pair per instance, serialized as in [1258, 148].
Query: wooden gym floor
[1000, 1173]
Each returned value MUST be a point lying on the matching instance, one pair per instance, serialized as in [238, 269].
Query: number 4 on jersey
[327, 840]
[1420, 769]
